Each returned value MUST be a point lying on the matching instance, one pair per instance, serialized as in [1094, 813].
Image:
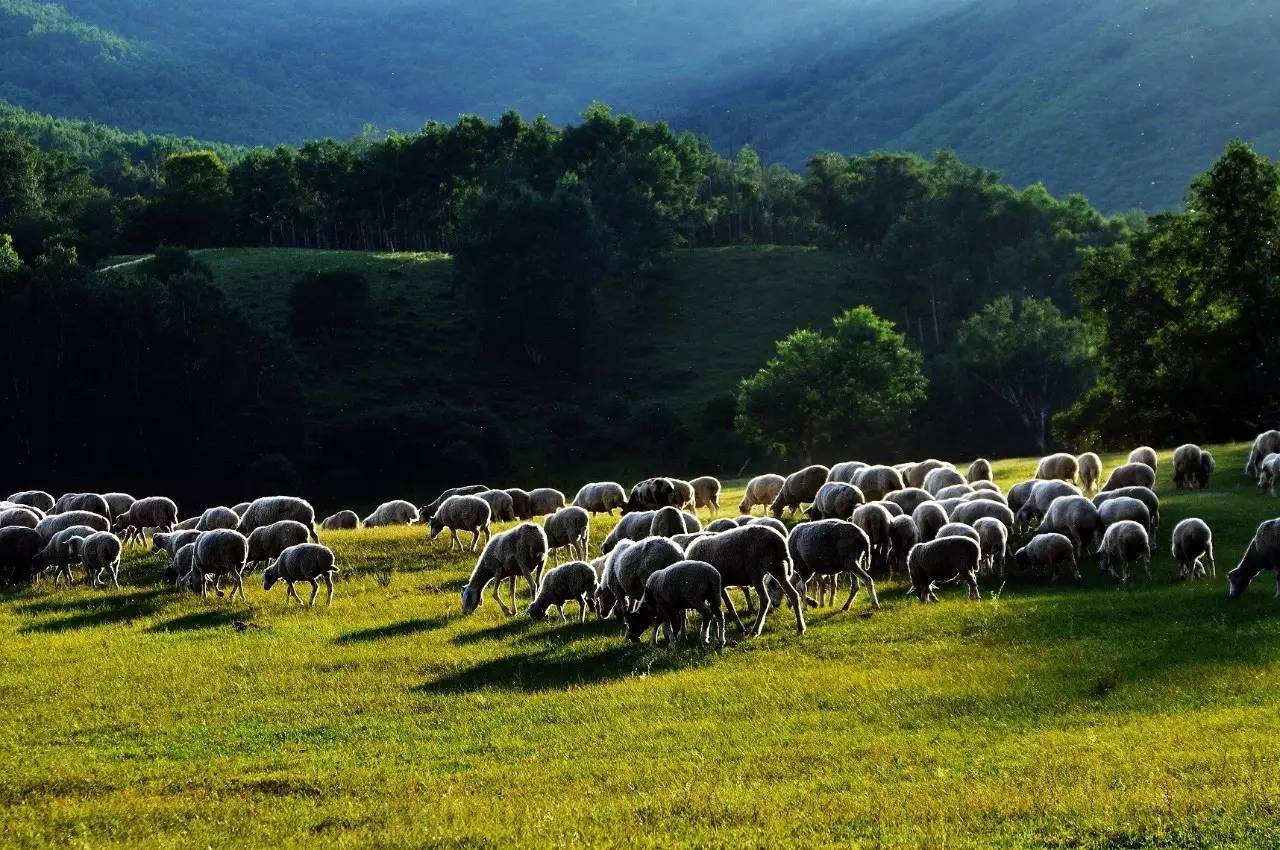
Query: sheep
[1060, 466]
[761, 490]
[519, 551]
[744, 557]
[156, 512]
[706, 494]
[462, 513]
[1050, 553]
[979, 470]
[117, 503]
[19, 549]
[431, 507]
[520, 503]
[893, 508]
[970, 512]
[571, 528]
[993, 537]
[18, 518]
[91, 502]
[768, 521]
[829, 547]
[603, 497]
[835, 500]
[683, 540]
[1077, 519]
[1124, 542]
[1192, 540]
[220, 517]
[341, 521]
[722, 524]
[308, 562]
[987, 486]
[171, 542]
[959, 529]
[653, 493]
[1125, 507]
[38, 499]
[1145, 495]
[633, 526]
[1263, 553]
[673, 590]
[910, 498]
[1089, 467]
[667, 522]
[98, 553]
[916, 473]
[903, 534]
[180, 566]
[844, 471]
[1019, 494]
[875, 521]
[500, 504]
[1268, 442]
[395, 512]
[544, 501]
[949, 505]
[269, 509]
[944, 560]
[1131, 475]
[571, 582]
[692, 524]
[985, 496]
[629, 567]
[269, 541]
[941, 478]
[877, 482]
[1144, 455]
[800, 488]
[241, 507]
[929, 517]
[954, 491]
[57, 552]
[1192, 467]
[1269, 473]
[54, 523]
[1042, 496]
[186, 524]
[221, 552]
[684, 494]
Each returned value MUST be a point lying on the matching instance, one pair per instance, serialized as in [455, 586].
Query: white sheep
[99, 554]
[570, 528]
[1144, 455]
[544, 501]
[835, 500]
[519, 551]
[572, 582]
[1193, 541]
[53, 523]
[91, 502]
[395, 512]
[1133, 474]
[220, 552]
[601, 497]
[706, 494]
[979, 470]
[271, 509]
[1124, 543]
[1050, 553]
[944, 560]
[1263, 553]
[877, 482]
[1089, 466]
[501, 505]
[993, 537]
[941, 478]
[744, 557]
[38, 499]
[341, 521]
[1268, 442]
[155, 512]
[219, 517]
[909, 498]
[673, 590]
[761, 490]
[462, 513]
[844, 471]
[266, 543]
[1060, 466]
[309, 562]
[829, 547]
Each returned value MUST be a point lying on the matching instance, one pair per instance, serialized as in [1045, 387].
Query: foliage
[10, 262]
[329, 305]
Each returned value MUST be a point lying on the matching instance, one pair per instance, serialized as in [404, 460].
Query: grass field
[1049, 716]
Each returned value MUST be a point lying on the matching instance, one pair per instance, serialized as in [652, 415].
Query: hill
[1050, 714]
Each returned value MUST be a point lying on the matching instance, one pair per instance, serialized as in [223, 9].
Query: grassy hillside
[1051, 715]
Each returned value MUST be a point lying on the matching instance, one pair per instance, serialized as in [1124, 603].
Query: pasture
[1056, 715]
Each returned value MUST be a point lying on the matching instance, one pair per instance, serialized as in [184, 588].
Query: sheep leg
[1146, 566]
[758, 626]
[1213, 568]
[751, 605]
[454, 541]
[328, 579]
[498, 598]
[861, 574]
[724, 595]
[315, 591]
[853, 591]
[582, 608]
[290, 590]
[560, 610]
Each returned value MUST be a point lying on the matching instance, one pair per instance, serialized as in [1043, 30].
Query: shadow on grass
[392, 630]
[212, 619]
[96, 611]
[509, 627]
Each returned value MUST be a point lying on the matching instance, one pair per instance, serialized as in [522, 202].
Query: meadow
[1047, 715]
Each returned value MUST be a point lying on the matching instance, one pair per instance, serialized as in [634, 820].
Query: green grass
[1053, 715]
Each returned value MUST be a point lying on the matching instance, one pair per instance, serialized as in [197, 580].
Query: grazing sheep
[1144, 455]
[800, 488]
[979, 470]
[691, 523]
[909, 499]
[271, 509]
[988, 486]
[1131, 475]
[683, 540]
[571, 582]
[519, 551]
[744, 557]
[1192, 541]
[652, 494]
[544, 501]
[180, 565]
[520, 503]
[1269, 473]
[970, 512]
[629, 567]
[308, 562]
[761, 490]
[944, 560]
[1042, 496]
[269, 541]
[395, 512]
[954, 491]
[117, 503]
[706, 494]
[171, 542]
[667, 522]
[877, 482]
[571, 528]
[722, 524]
[431, 507]
[1145, 495]
[58, 552]
[875, 521]
[1125, 507]
[1192, 467]
[500, 505]
[929, 517]
[341, 521]
[835, 500]
[1048, 553]
[893, 508]
[1263, 553]
[771, 522]
[916, 473]
[91, 502]
[993, 537]
[603, 497]
[220, 552]
[672, 591]
[1089, 466]
[959, 529]
[155, 512]
[1019, 494]
[99, 554]
[54, 523]
[42, 501]
[684, 494]
[634, 526]
[845, 471]
[19, 549]
[220, 517]
[986, 496]
[903, 534]
[1077, 519]
[462, 513]
[949, 505]
[1060, 466]
[1124, 543]
[829, 547]
[186, 525]
[941, 478]
[18, 518]
[241, 507]
[1268, 442]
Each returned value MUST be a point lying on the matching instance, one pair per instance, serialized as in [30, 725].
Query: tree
[10, 262]
[196, 199]
[857, 381]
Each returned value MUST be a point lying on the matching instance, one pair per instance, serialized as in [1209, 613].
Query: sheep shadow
[91, 612]
[196, 621]
[392, 630]
[546, 670]
[510, 627]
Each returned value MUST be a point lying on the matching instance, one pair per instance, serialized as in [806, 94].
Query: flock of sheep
[927, 522]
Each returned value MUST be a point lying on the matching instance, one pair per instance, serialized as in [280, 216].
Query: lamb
[959, 529]
[1124, 542]
[1192, 467]
[903, 534]
[800, 488]
[462, 513]
[544, 501]
[830, 547]
[744, 557]
[99, 554]
[54, 523]
[44, 502]
[602, 497]
[877, 482]
[1263, 553]
[117, 503]
[1089, 466]
[835, 500]
[150, 512]
[571, 528]
[1050, 553]
[180, 566]
[519, 551]
[341, 521]
[571, 582]
[430, 508]
[269, 541]
[875, 521]
[969, 512]
[673, 590]
[929, 517]
[1125, 507]
[1060, 466]
[993, 537]
[220, 517]
[308, 562]
[979, 470]
[629, 567]
[761, 490]
[845, 471]
[271, 509]
[19, 549]
[706, 494]
[633, 526]
[1042, 496]
[57, 552]
[910, 498]
[1131, 475]
[1268, 442]
[944, 560]
[220, 552]
[18, 518]
[722, 524]
[1143, 494]
[667, 522]
[1144, 455]
[1192, 541]
[1077, 519]
[941, 478]
[916, 473]
[954, 491]
[652, 494]
[91, 502]
[395, 512]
